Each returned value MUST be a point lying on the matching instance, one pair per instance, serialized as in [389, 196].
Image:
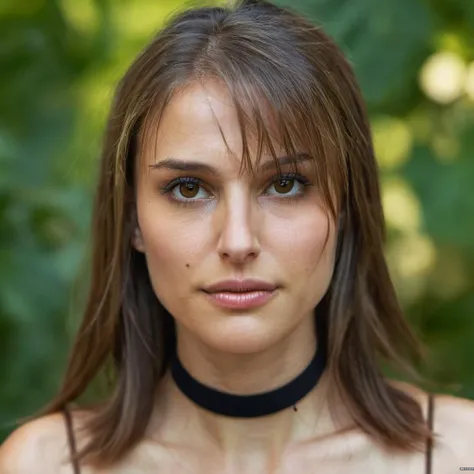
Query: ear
[137, 239]
[136, 235]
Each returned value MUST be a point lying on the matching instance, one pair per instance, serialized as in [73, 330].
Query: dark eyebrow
[196, 166]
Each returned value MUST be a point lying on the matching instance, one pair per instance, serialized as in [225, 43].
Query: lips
[241, 294]
[240, 286]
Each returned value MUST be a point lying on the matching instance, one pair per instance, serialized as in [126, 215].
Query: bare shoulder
[453, 425]
[450, 412]
[453, 416]
[40, 446]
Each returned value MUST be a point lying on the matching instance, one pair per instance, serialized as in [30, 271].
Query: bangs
[270, 121]
[282, 119]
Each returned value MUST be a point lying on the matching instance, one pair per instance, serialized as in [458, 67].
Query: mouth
[241, 299]
[240, 286]
[241, 294]
[237, 292]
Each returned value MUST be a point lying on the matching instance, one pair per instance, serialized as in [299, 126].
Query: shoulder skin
[38, 447]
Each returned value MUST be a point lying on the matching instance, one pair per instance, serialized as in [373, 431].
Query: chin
[241, 335]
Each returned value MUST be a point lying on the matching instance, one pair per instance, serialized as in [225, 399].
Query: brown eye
[288, 186]
[189, 190]
[284, 185]
[185, 190]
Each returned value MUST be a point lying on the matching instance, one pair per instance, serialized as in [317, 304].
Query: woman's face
[217, 225]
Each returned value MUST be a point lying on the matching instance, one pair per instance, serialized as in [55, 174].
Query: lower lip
[250, 299]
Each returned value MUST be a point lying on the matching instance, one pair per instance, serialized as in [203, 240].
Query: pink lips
[240, 294]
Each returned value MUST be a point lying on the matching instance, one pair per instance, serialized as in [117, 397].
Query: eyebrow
[196, 166]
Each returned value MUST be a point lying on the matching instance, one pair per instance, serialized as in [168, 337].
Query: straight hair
[281, 69]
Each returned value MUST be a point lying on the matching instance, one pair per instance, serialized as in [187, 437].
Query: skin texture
[235, 227]
[239, 226]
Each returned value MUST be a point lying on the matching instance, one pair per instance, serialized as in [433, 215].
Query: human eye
[289, 186]
[185, 190]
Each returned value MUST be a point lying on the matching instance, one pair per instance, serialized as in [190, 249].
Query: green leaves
[385, 40]
[445, 191]
[43, 215]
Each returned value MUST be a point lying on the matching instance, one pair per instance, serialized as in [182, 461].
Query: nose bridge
[238, 226]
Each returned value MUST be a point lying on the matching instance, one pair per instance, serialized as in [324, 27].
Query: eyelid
[181, 180]
[277, 177]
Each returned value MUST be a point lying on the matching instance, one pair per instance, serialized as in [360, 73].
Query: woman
[239, 294]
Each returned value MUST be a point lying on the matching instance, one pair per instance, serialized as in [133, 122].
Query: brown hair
[271, 59]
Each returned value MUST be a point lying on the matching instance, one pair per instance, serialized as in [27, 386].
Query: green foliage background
[59, 62]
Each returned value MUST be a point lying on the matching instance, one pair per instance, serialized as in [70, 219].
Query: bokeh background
[59, 63]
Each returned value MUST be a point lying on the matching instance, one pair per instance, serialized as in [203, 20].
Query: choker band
[254, 405]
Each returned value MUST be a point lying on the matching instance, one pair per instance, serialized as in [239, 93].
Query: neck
[247, 374]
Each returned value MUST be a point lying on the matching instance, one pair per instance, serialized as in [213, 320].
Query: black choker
[251, 406]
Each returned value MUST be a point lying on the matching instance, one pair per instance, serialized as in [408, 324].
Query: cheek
[307, 250]
[172, 248]
[307, 244]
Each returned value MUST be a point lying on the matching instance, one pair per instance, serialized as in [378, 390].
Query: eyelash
[168, 188]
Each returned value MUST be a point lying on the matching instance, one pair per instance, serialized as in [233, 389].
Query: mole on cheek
[187, 265]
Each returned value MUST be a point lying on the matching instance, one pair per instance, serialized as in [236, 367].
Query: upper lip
[240, 286]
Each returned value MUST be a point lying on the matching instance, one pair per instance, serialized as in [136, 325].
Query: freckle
[187, 265]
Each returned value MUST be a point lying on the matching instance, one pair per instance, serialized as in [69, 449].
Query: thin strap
[429, 443]
[71, 440]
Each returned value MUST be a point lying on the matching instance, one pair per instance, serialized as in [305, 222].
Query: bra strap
[71, 440]
[429, 443]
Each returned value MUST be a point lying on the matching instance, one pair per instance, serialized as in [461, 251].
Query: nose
[238, 221]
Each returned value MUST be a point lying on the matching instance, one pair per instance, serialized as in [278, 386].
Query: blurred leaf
[444, 190]
[385, 40]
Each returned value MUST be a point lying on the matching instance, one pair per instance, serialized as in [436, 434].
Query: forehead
[200, 121]
[201, 104]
